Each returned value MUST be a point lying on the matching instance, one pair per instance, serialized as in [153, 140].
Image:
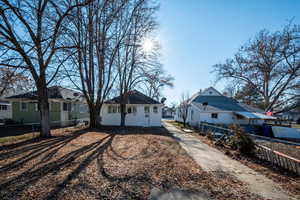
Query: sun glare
[148, 45]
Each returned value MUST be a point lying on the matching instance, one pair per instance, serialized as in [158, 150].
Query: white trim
[4, 106]
[36, 106]
[24, 110]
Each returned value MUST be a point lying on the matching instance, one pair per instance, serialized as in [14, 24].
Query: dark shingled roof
[220, 102]
[134, 97]
[54, 92]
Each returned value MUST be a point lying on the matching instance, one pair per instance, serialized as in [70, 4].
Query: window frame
[109, 110]
[68, 106]
[21, 106]
[155, 109]
[3, 106]
[214, 115]
[147, 110]
[134, 110]
[114, 109]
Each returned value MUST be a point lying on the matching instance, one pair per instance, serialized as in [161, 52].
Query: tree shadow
[34, 148]
[19, 183]
[43, 153]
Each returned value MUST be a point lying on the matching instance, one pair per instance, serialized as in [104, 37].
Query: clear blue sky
[196, 34]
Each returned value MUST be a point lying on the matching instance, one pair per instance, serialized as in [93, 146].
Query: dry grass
[290, 150]
[11, 139]
[106, 164]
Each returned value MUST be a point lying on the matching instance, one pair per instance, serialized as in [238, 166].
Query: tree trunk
[44, 110]
[184, 123]
[94, 116]
[123, 114]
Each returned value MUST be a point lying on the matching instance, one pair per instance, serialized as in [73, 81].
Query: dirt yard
[106, 164]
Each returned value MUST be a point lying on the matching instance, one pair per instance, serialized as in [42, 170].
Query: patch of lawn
[12, 139]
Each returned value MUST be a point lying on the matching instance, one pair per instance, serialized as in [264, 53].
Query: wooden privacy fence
[262, 152]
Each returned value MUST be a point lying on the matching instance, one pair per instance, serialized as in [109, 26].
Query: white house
[212, 107]
[141, 111]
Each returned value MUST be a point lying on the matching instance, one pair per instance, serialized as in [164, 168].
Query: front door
[65, 114]
[147, 119]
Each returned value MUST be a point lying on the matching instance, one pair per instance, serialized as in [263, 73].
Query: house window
[129, 110]
[67, 106]
[3, 107]
[83, 108]
[214, 115]
[155, 109]
[114, 109]
[192, 113]
[24, 106]
[146, 109]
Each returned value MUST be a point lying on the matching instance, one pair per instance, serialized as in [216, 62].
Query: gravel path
[212, 160]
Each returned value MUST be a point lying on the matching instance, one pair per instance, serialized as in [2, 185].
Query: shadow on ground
[85, 162]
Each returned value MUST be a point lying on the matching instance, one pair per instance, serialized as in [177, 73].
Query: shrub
[241, 141]
[210, 135]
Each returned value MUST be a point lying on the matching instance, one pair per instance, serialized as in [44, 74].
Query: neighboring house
[292, 115]
[212, 107]
[141, 111]
[64, 104]
[5, 109]
[168, 112]
[5, 106]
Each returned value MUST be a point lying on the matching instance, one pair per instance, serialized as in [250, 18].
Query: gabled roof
[220, 102]
[134, 97]
[251, 108]
[55, 92]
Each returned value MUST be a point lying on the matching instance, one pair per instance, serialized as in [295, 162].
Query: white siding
[224, 117]
[140, 118]
[210, 92]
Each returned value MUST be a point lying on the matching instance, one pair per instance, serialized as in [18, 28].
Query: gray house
[65, 106]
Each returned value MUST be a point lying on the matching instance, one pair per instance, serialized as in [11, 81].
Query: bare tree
[155, 80]
[30, 40]
[230, 90]
[98, 33]
[12, 81]
[249, 95]
[183, 107]
[269, 63]
[131, 61]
